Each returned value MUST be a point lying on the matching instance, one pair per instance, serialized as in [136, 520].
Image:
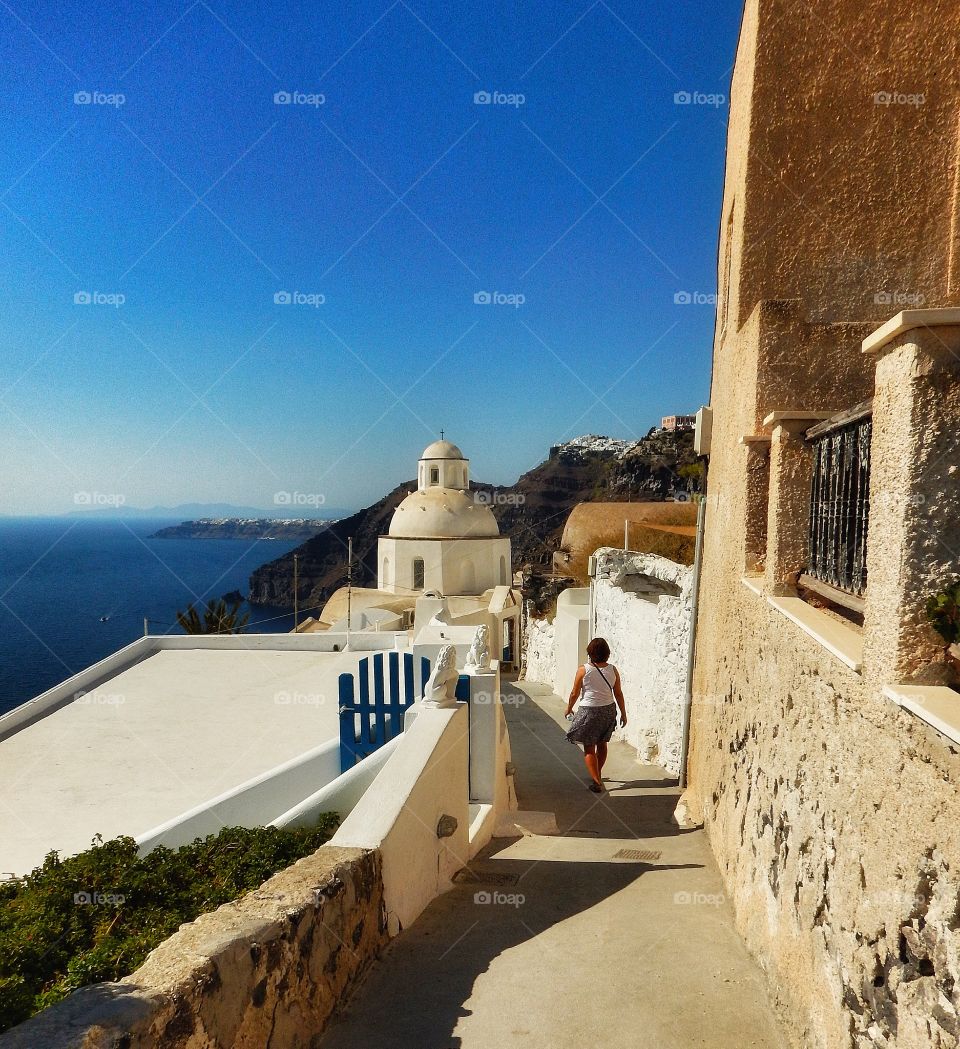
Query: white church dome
[441, 450]
[442, 513]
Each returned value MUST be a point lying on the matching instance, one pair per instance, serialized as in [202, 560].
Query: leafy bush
[95, 916]
[943, 611]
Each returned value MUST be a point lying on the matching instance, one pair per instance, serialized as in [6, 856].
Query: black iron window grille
[840, 500]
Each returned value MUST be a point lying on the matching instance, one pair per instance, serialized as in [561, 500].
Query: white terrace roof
[150, 740]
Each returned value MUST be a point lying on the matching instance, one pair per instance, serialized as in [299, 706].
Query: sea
[73, 590]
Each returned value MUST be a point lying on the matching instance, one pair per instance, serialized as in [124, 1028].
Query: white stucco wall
[642, 606]
[541, 660]
[571, 635]
[451, 566]
[424, 779]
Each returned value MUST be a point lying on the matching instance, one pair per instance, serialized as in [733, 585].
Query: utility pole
[296, 590]
[349, 584]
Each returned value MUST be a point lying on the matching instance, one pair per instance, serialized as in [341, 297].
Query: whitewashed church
[442, 539]
[443, 569]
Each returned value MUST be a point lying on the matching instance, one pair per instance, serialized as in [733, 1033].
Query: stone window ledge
[937, 705]
[795, 415]
[839, 639]
[754, 583]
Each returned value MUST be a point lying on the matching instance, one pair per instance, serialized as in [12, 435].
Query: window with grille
[840, 500]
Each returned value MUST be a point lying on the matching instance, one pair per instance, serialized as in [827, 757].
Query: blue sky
[583, 193]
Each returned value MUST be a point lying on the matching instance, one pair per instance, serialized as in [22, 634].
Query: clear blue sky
[198, 199]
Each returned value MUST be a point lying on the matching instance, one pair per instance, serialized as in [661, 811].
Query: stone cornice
[908, 319]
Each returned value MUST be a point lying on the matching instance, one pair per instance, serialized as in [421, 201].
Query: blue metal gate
[365, 724]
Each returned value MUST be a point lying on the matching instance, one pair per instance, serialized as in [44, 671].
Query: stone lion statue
[439, 689]
[479, 654]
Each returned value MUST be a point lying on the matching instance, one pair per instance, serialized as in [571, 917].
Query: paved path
[579, 948]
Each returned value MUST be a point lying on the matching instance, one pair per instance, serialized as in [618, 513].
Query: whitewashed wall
[642, 606]
[423, 780]
[541, 660]
[572, 635]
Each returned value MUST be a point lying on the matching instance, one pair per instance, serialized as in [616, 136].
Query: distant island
[297, 529]
[96, 504]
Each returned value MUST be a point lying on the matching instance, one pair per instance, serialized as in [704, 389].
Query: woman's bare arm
[575, 691]
[618, 695]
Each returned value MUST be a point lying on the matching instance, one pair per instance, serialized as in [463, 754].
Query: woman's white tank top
[598, 684]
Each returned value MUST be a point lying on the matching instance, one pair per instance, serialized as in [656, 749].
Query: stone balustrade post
[788, 509]
[913, 543]
[757, 507]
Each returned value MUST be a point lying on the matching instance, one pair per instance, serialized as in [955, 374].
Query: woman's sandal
[597, 788]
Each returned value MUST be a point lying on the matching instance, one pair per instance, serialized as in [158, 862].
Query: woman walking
[597, 685]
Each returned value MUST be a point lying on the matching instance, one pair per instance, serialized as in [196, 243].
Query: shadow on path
[555, 941]
[551, 777]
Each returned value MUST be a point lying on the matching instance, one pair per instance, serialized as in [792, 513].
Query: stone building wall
[835, 818]
[266, 970]
[834, 814]
[831, 105]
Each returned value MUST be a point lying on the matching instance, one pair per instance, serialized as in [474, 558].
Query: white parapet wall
[571, 633]
[642, 605]
[341, 793]
[253, 803]
[417, 813]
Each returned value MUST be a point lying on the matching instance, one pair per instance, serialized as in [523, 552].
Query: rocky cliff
[323, 559]
[532, 512]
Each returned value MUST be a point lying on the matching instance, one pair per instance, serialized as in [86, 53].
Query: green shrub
[95, 916]
[943, 611]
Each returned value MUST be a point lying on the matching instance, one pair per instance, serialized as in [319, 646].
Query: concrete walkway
[560, 943]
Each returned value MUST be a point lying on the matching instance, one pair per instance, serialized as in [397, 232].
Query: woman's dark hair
[598, 650]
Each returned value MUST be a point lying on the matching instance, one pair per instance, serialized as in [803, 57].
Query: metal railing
[840, 500]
